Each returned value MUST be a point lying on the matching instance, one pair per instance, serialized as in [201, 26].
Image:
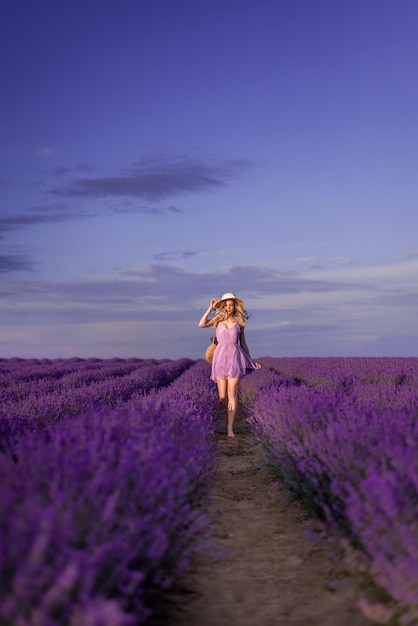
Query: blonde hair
[239, 312]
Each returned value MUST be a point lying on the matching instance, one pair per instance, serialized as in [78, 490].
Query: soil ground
[269, 573]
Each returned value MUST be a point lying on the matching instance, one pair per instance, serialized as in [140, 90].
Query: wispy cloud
[290, 313]
[389, 273]
[63, 170]
[174, 256]
[285, 309]
[15, 263]
[168, 287]
[131, 207]
[141, 188]
[411, 256]
[307, 259]
[343, 260]
[151, 180]
[156, 179]
[45, 152]
[38, 215]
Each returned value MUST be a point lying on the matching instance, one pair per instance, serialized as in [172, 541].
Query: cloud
[252, 279]
[388, 273]
[57, 213]
[152, 180]
[165, 288]
[289, 313]
[343, 260]
[149, 181]
[14, 263]
[45, 152]
[156, 178]
[129, 207]
[174, 256]
[31, 217]
[63, 170]
[408, 257]
[38, 215]
[307, 259]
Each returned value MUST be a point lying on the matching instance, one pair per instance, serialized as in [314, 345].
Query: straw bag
[210, 350]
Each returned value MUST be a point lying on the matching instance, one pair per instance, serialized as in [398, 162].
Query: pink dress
[229, 359]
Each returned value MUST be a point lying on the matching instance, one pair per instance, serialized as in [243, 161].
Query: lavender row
[15, 371]
[100, 512]
[20, 379]
[46, 398]
[353, 462]
[337, 371]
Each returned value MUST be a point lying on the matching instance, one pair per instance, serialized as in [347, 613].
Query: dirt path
[270, 573]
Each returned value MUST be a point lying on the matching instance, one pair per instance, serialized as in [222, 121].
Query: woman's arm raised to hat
[204, 322]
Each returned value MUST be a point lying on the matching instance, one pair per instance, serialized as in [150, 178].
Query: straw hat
[229, 296]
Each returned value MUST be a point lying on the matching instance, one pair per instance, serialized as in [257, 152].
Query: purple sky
[157, 153]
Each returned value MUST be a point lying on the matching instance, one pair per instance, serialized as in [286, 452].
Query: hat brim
[237, 300]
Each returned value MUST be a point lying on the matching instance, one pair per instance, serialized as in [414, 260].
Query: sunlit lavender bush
[344, 436]
[101, 509]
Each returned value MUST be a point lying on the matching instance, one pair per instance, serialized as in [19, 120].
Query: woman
[231, 359]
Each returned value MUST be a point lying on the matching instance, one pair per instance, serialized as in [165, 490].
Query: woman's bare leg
[222, 392]
[232, 391]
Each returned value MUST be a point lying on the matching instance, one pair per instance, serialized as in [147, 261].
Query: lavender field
[103, 466]
[342, 434]
[104, 470]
